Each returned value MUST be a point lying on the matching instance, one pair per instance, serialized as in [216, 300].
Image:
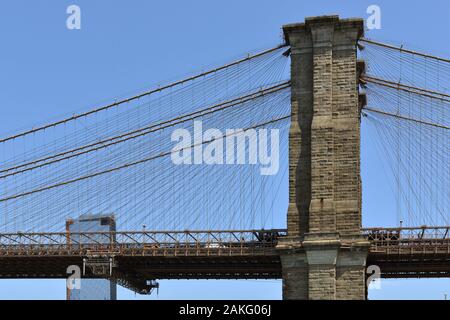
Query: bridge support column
[324, 255]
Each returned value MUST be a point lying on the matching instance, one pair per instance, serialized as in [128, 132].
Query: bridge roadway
[131, 258]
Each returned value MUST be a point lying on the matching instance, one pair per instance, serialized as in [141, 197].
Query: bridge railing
[232, 242]
[409, 240]
[141, 243]
[407, 233]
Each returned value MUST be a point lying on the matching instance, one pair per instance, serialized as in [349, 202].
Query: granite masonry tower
[324, 255]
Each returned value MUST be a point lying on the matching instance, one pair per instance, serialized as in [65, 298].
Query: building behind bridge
[93, 289]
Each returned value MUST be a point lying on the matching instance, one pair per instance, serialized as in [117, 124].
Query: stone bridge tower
[324, 255]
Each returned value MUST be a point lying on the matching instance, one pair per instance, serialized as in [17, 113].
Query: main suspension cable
[401, 49]
[407, 118]
[142, 131]
[141, 95]
[410, 89]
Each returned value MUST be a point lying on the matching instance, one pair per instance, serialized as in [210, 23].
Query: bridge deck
[231, 254]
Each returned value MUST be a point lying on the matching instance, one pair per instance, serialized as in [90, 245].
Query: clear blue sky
[47, 71]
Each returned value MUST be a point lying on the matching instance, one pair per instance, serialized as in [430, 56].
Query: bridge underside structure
[400, 253]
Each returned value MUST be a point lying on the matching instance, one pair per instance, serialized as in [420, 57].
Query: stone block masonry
[324, 255]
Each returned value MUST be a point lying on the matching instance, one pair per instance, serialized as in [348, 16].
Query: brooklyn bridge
[216, 221]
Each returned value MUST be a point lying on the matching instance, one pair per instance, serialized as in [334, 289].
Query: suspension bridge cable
[144, 94]
[406, 118]
[376, 80]
[127, 165]
[409, 89]
[156, 193]
[401, 49]
[143, 131]
[261, 73]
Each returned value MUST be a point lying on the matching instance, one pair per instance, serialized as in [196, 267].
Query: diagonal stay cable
[142, 131]
[141, 95]
[407, 118]
[127, 165]
[401, 49]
